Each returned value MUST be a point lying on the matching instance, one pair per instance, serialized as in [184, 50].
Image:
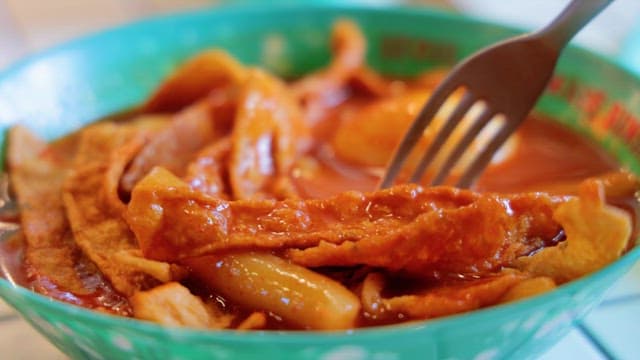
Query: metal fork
[8, 225]
[8, 207]
[508, 78]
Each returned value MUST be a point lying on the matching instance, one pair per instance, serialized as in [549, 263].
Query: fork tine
[483, 158]
[8, 206]
[414, 133]
[462, 145]
[443, 134]
[8, 209]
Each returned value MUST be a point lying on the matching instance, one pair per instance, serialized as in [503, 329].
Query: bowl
[66, 87]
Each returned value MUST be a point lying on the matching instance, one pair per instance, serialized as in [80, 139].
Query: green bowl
[64, 88]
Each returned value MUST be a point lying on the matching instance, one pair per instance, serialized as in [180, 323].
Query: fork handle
[570, 21]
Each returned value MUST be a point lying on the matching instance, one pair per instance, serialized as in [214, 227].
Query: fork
[507, 78]
[8, 208]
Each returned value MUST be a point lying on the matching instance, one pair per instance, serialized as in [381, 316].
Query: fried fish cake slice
[188, 132]
[409, 228]
[172, 304]
[267, 136]
[55, 265]
[207, 172]
[441, 300]
[597, 234]
[193, 80]
[322, 89]
[37, 173]
[94, 209]
[481, 236]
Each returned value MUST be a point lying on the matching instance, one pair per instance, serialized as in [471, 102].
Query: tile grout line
[598, 346]
[622, 300]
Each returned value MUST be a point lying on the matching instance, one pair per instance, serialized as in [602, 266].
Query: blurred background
[28, 26]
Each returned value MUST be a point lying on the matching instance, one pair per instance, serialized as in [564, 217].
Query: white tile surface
[574, 346]
[12, 44]
[618, 328]
[5, 310]
[604, 34]
[629, 285]
[18, 341]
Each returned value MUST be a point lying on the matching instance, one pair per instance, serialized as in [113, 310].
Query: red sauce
[14, 269]
[549, 157]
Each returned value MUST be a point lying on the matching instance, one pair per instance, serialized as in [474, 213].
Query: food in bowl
[236, 199]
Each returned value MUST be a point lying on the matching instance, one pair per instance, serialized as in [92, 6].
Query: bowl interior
[66, 87]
